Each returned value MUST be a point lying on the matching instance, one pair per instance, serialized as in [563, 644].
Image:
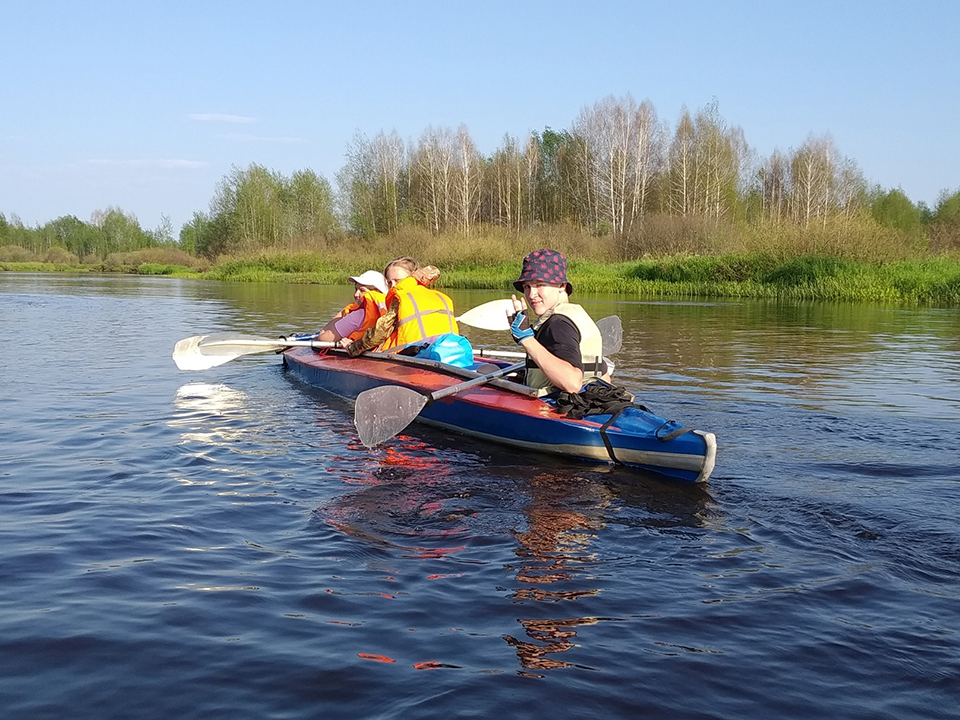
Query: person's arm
[339, 328]
[559, 372]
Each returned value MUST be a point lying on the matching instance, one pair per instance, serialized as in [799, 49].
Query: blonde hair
[407, 263]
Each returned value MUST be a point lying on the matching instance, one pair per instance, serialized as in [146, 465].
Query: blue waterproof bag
[451, 349]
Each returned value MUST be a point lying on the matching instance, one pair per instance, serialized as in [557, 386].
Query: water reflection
[420, 502]
[407, 495]
[811, 355]
[565, 514]
[210, 413]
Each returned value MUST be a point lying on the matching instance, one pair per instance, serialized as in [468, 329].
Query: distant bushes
[154, 261]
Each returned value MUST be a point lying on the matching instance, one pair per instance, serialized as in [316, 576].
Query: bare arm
[561, 373]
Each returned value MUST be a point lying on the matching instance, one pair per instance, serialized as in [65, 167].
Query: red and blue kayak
[510, 413]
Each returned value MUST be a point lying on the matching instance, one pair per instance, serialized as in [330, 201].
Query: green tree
[118, 232]
[372, 196]
[72, 234]
[308, 206]
[894, 209]
[255, 208]
[945, 223]
[948, 208]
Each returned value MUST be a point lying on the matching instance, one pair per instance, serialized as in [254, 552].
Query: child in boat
[414, 312]
[369, 295]
[563, 345]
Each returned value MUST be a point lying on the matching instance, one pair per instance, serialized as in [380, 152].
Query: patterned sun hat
[544, 265]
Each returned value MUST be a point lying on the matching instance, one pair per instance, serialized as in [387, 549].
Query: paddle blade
[382, 412]
[611, 330]
[489, 316]
[202, 352]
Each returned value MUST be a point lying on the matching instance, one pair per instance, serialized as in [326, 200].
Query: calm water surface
[220, 545]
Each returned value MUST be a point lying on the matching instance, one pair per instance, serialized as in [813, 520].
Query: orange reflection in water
[405, 495]
[553, 549]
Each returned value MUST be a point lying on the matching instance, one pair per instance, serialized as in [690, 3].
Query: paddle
[493, 316]
[202, 352]
[382, 412]
[489, 316]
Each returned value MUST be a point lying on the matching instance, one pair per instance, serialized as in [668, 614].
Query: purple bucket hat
[548, 266]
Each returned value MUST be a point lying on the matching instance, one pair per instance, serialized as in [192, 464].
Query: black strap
[606, 440]
[671, 435]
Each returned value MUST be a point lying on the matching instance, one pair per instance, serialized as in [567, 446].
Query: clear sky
[146, 105]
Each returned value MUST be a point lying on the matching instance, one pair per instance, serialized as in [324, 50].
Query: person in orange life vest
[370, 290]
[415, 312]
[563, 345]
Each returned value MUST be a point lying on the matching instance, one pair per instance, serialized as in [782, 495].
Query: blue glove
[520, 328]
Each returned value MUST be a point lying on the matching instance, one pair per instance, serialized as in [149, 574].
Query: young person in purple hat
[563, 345]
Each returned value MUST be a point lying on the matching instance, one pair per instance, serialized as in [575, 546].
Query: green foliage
[256, 208]
[948, 209]
[894, 210]
[152, 261]
[17, 254]
[944, 224]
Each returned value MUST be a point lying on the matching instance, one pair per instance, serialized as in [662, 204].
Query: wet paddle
[202, 352]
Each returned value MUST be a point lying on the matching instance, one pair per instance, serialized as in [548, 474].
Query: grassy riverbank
[935, 281]
[493, 262]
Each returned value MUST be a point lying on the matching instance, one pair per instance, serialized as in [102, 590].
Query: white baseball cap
[372, 278]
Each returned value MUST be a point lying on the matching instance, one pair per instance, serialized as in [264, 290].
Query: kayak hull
[507, 413]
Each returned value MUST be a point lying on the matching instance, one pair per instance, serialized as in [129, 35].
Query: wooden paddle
[202, 352]
[382, 412]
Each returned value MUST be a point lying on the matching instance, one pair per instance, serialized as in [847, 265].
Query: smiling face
[542, 297]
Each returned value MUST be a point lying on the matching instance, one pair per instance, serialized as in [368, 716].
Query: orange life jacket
[422, 314]
[373, 304]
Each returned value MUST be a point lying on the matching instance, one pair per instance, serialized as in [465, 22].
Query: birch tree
[432, 175]
[773, 180]
[621, 150]
[505, 186]
[468, 181]
[682, 168]
[812, 178]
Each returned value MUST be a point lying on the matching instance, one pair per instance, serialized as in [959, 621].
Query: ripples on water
[220, 544]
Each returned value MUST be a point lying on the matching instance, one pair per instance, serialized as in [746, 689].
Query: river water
[220, 545]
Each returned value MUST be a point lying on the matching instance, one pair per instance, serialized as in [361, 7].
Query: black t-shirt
[561, 337]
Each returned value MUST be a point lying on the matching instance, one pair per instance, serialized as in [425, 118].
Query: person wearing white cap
[369, 293]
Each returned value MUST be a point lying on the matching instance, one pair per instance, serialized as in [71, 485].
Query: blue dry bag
[451, 349]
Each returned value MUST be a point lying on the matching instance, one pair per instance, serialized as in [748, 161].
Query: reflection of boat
[510, 413]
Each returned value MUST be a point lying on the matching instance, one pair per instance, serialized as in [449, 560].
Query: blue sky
[147, 105]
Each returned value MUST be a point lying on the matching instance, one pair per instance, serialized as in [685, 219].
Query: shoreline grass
[933, 281]
[929, 281]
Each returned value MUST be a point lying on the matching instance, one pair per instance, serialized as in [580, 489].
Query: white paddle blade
[382, 412]
[489, 316]
[202, 352]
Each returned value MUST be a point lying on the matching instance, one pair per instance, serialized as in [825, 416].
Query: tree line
[618, 171]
